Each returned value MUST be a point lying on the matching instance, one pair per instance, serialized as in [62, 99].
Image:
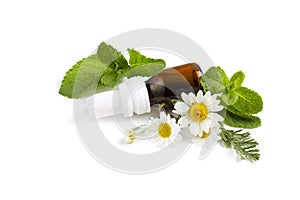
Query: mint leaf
[66, 88]
[240, 102]
[229, 98]
[237, 79]
[140, 65]
[108, 79]
[105, 70]
[223, 75]
[234, 120]
[120, 64]
[107, 54]
[117, 66]
[248, 102]
[114, 73]
[214, 80]
[136, 59]
[82, 79]
[237, 112]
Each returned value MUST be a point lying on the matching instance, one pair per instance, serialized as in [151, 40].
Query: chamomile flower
[207, 141]
[164, 130]
[213, 134]
[130, 137]
[198, 112]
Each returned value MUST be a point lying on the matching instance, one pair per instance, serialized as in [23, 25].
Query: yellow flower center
[198, 112]
[164, 130]
[205, 135]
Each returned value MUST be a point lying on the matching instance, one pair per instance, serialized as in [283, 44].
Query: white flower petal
[164, 143]
[176, 112]
[186, 132]
[175, 129]
[206, 125]
[214, 108]
[172, 121]
[207, 146]
[163, 117]
[181, 108]
[195, 129]
[211, 102]
[192, 97]
[184, 121]
[172, 137]
[207, 95]
[198, 140]
[208, 102]
[186, 99]
[215, 132]
[216, 118]
[200, 97]
[168, 118]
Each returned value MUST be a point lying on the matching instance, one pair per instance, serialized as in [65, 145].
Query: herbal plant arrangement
[205, 116]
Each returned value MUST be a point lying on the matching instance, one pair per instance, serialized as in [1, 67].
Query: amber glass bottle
[136, 96]
[170, 83]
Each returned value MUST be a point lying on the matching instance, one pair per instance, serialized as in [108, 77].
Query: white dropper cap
[130, 97]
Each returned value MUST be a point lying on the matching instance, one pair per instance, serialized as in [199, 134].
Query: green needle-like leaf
[241, 143]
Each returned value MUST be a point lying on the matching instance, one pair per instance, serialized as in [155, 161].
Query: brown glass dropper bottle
[170, 83]
[135, 95]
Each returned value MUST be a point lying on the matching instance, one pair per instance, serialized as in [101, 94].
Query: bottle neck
[134, 96]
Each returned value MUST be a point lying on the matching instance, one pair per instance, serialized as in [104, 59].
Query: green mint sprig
[75, 84]
[105, 70]
[240, 102]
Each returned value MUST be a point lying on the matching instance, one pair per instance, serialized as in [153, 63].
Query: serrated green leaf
[136, 59]
[140, 65]
[117, 66]
[234, 120]
[120, 64]
[146, 70]
[82, 79]
[114, 73]
[214, 80]
[230, 98]
[108, 79]
[105, 70]
[249, 102]
[237, 79]
[237, 112]
[223, 75]
[107, 54]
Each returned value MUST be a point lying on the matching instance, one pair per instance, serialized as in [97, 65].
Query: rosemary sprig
[242, 143]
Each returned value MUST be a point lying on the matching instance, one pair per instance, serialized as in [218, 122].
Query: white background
[41, 156]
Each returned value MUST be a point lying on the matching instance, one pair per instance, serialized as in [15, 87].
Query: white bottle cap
[130, 97]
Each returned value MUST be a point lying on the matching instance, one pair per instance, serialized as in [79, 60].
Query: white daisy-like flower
[198, 112]
[213, 133]
[164, 130]
[207, 141]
